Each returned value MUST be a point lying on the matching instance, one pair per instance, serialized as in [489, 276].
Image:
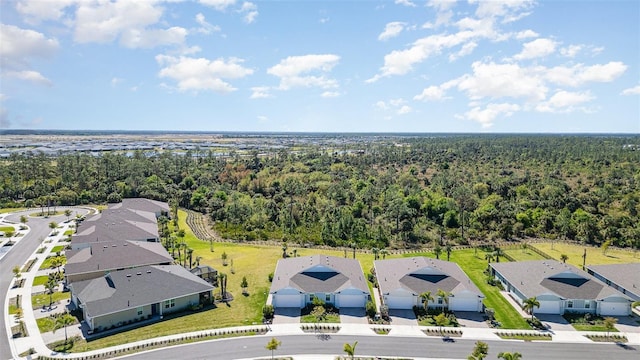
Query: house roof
[143, 204]
[114, 215]
[115, 255]
[624, 275]
[113, 230]
[126, 289]
[421, 274]
[318, 274]
[537, 277]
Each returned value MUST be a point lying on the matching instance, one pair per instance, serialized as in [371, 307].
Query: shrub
[370, 309]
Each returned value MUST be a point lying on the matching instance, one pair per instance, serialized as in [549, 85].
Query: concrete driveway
[402, 317]
[286, 316]
[471, 319]
[555, 322]
[630, 324]
[353, 316]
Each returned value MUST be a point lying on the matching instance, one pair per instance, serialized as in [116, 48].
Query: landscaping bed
[587, 322]
[608, 338]
[524, 336]
[323, 328]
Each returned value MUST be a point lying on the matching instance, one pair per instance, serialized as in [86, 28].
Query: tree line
[389, 191]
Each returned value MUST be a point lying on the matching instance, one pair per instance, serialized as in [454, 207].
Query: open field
[523, 254]
[595, 256]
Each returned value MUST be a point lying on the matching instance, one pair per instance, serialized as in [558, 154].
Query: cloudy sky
[334, 66]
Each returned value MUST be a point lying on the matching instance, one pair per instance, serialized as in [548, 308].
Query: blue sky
[332, 66]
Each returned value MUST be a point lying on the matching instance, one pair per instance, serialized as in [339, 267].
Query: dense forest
[386, 192]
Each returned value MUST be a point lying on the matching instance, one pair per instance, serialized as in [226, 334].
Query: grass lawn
[8, 210]
[40, 280]
[43, 299]
[523, 255]
[474, 266]
[57, 248]
[68, 232]
[46, 264]
[46, 324]
[594, 254]
[7, 228]
[328, 319]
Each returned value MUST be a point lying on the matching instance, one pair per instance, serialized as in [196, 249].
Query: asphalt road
[18, 255]
[253, 347]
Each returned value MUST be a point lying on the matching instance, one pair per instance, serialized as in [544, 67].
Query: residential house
[127, 296]
[560, 288]
[157, 207]
[622, 277]
[99, 258]
[337, 281]
[402, 281]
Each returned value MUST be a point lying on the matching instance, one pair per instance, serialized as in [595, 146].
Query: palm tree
[375, 252]
[564, 258]
[497, 253]
[67, 213]
[51, 285]
[63, 321]
[23, 219]
[529, 304]
[509, 356]
[437, 250]
[58, 261]
[273, 345]
[444, 296]
[448, 249]
[426, 297]
[350, 349]
[17, 272]
[53, 225]
[384, 253]
[488, 256]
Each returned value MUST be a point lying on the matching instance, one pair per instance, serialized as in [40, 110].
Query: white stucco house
[402, 281]
[337, 281]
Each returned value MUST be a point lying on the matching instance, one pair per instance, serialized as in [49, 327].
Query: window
[439, 301]
[311, 297]
[327, 298]
[170, 303]
[587, 304]
[140, 311]
[570, 304]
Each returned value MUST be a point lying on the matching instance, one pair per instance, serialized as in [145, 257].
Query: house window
[327, 298]
[140, 311]
[587, 304]
[170, 303]
[570, 304]
[311, 297]
[439, 301]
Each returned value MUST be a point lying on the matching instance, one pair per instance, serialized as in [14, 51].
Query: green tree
[273, 345]
[564, 258]
[67, 213]
[244, 284]
[24, 219]
[480, 351]
[610, 324]
[509, 356]
[51, 285]
[53, 225]
[17, 272]
[62, 321]
[426, 297]
[445, 297]
[441, 320]
[529, 304]
[350, 349]
[57, 262]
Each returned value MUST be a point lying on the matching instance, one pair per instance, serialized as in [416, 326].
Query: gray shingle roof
[318, 273]
[125, 289]
[625, 275]
[115, 255]
[143, 204]
[537, 277]
[100, 231]
[421, 274]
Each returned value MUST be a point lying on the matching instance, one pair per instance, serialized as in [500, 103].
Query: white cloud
[502, 80]
[391, 30]
[431, 93]
[465, 50]
[571, 50]
[404, 109]
[115, 81]
[260, 92]
[134, 38]
[510, 11]
[36, 11]
[405, 3]
[564, 101]
[487, 115]
[219, 5]
[205, 27]
[292, 71]
[250, 11]
[330, 94]
[580, 74]
[526, 34]
[263, 119]
[631, 91]
[194, 74]
[537, 48]
[398, 106]
[19, 46]
[30, 75]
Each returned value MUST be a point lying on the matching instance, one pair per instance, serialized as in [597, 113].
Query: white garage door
[548, 307]
[615, 309]
[399, 302]
[346, 301]
[283, 301]
[461, 304]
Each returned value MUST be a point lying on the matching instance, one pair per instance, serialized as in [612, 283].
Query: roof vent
[128, 275]
[139, 273]
[148, 271]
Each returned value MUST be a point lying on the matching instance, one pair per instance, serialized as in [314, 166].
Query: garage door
[346, 301]
[461, 304]
[615, 309]
[399, 302]
[548, 307]
[287, 301]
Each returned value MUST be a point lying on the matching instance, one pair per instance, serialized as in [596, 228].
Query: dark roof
[115, 255]
[125, 289]
[101, 231]
[538, 277]
[624, 275]
[203, 269]
[116, 215]
[143, 204]
[318, 273]
[421, 274]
